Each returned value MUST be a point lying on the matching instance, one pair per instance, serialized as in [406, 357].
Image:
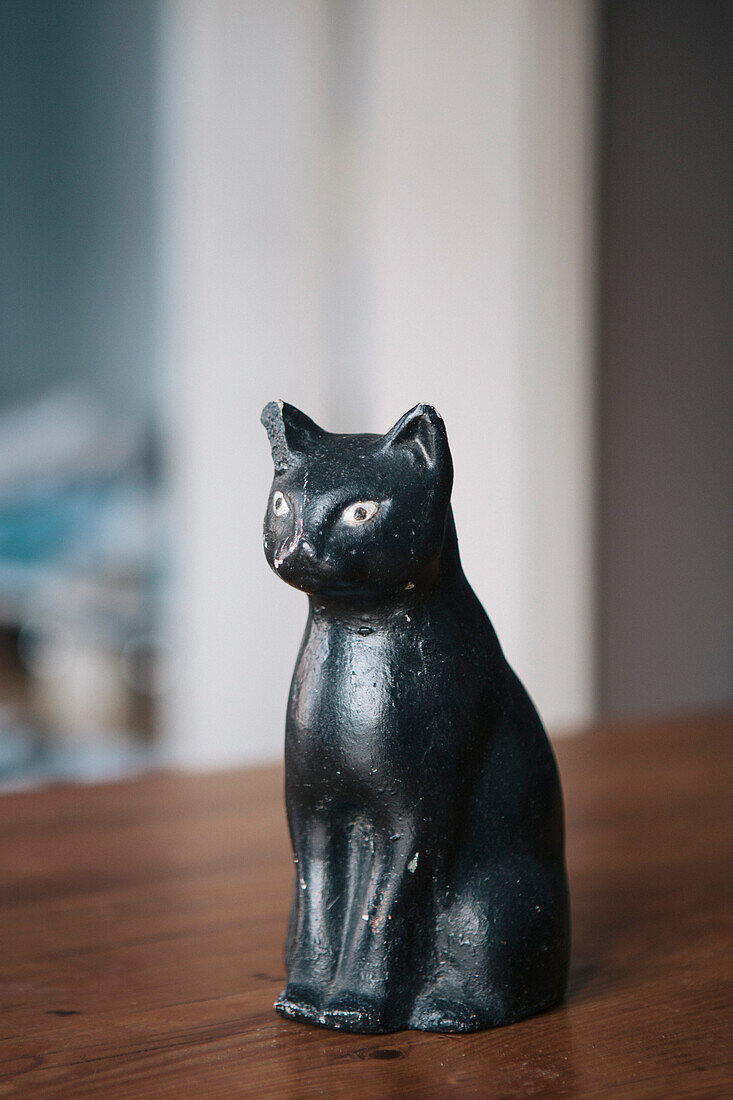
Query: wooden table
[141, 926]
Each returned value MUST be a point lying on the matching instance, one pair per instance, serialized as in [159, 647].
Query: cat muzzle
[294, 552]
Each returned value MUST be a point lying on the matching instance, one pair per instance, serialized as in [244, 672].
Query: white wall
[367, 205]
[479, 218]
[241, 198]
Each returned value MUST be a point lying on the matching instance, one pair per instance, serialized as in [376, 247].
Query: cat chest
[365, 706]
[344, 686]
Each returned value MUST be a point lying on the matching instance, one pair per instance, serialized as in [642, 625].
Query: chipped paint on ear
[272, 421]
[412, 865]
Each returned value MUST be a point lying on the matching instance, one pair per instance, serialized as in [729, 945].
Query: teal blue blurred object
[45, 523]
[18, 750]
[28, 759]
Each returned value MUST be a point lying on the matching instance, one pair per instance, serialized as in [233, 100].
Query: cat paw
[442, 1014]
[298, 1002]
[351, 1012]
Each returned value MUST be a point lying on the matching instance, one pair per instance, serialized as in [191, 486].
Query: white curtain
[365, 205]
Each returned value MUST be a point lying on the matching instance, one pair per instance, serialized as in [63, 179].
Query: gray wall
[666, 356]
[77, 157]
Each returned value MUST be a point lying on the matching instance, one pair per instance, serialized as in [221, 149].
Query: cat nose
[297, 547]
[301, 547]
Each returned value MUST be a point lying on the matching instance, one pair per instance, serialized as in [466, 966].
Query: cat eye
[361, 511]
[280, 504]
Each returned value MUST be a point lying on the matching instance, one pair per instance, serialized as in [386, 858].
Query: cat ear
[423, 431]
[290, 432]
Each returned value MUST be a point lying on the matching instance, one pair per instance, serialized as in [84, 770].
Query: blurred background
[517, 210]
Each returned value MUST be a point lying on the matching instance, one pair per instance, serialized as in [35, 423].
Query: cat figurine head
[357, 517]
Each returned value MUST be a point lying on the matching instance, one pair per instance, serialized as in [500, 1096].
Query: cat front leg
[311, 951]
[382, 924]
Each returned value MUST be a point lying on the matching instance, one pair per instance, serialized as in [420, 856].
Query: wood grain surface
[141, 928]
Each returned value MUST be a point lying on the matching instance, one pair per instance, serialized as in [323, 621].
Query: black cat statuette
[422, 795]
